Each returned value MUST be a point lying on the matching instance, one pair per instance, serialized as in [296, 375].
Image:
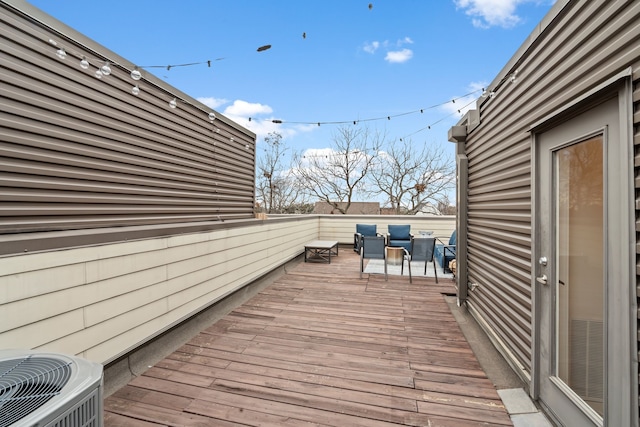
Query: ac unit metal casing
[40, 389]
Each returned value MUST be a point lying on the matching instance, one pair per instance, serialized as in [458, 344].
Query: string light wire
[62, 53]
[371, 119]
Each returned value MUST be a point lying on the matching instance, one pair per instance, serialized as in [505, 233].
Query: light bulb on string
[135, 90]
[106, 69]
[136, 74]
[173, 103]
[61, 53]
[246, 147]
[98, 74]
[212, 117]
[84, 64]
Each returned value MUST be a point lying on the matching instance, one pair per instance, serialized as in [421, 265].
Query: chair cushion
[399, 232]
[443, 254]
[366, 229]
[400, 244]
[452, 239]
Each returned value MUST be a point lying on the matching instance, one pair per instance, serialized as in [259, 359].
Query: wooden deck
[321, 347]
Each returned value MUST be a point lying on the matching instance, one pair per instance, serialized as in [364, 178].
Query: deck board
[321, 347]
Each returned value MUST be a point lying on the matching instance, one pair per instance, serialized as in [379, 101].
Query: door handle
[542, 279]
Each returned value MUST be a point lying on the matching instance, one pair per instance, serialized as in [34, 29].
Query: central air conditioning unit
[39, 389]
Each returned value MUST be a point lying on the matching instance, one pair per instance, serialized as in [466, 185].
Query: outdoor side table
[395, 255]
[320, 251]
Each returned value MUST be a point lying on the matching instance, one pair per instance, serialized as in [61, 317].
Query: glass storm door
[575, 320]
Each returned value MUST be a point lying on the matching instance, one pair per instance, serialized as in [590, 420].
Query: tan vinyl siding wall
[101, 301]
[585, 44]
[81, 152]
[342, 227]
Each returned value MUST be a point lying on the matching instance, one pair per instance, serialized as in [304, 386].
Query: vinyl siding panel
[342, 227]
[102, 301]
[80, 152]
[575, 50]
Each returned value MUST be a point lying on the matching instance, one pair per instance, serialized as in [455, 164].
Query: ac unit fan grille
[27, 383]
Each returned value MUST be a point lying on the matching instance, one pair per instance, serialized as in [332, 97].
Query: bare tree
[336, 176]
[445, 207]
[410, 176]
[276, 188]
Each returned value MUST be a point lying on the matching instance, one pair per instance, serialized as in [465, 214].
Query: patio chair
[363, 230]
[373, 247]
[446, 252]
[422, 249]
[399, 236]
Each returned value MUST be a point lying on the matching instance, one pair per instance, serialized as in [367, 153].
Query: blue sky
[329, 61]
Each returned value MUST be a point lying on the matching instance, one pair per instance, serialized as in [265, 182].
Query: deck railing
[102, 301]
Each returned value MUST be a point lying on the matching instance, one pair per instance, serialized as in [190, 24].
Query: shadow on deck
[317, 347]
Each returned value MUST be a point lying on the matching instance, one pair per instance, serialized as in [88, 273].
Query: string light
[136, 74]
[169, 67]
[355, 122]
[428, 127]
[106, 69]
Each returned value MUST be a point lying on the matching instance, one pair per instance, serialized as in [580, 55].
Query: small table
[395, 255]
[320, 251]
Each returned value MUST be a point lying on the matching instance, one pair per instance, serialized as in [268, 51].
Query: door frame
[621, 393]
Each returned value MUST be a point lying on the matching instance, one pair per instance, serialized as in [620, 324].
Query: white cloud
[371, 47]
[490, 13]
[212, 102]
[399, 56]
[465, 103]
[406, 40]
[258, 118]
[394, 56]
[247, 109]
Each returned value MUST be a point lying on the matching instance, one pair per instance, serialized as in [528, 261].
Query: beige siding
[586, 43]
[342, 227]
[81, 152]
[101, 301]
